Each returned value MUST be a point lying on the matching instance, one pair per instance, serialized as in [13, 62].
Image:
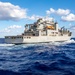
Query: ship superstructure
[43, 30]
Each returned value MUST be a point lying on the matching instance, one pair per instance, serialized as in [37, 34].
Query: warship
[41, 31]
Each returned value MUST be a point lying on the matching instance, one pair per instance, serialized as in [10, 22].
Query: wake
[6, 45]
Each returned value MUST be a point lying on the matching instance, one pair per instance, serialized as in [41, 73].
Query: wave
[6, 45]
[62, 43]
[70, 41]
[7, 72]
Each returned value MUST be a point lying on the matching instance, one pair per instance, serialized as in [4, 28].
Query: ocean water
[54, 58]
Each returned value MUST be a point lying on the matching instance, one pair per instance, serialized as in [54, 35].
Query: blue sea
[54, 58]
